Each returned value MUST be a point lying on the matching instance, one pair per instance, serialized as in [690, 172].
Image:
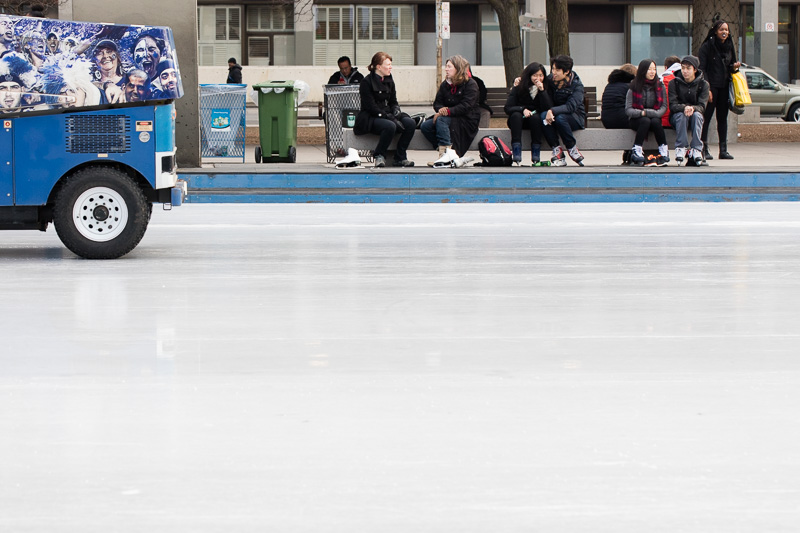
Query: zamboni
[88, 130]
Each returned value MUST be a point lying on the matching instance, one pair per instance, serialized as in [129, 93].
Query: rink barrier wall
[444, 187]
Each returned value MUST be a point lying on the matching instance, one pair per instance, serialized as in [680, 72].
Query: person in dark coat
[688, 97]
[380, 113]
[645, 104]
[234, 71]
[568, 113]
[458, 116]
[525, 106]
[347, 73]
[612, 112]
[717, 56]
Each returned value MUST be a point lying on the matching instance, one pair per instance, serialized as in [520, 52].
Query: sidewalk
[757, 157]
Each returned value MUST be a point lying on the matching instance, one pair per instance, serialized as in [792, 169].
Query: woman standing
[526, 105]
[717, 62]
[380, 113]
[645, 104]
[457, 116]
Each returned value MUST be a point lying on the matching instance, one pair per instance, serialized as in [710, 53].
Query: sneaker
[558, 159]
[576, 155]
[402, 163]
[662, 160]
[651, 161]
[680, 153]
[380, 161]
[637, 156]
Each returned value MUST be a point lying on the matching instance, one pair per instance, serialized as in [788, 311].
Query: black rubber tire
[113, 192]
[258, 154]
[794, 113]
[292, 154]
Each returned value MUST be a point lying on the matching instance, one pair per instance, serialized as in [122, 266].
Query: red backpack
[494, 152]
[668, 77]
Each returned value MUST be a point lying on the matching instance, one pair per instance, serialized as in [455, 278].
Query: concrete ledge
[588, 139]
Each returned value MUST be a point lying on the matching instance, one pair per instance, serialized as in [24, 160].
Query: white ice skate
[351, 160]
[447, 160]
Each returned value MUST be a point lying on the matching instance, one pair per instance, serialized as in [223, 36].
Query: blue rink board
[338, 187]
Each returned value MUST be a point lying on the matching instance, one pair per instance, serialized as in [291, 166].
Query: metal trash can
[223, 120]
[277, 121]
[342, 104]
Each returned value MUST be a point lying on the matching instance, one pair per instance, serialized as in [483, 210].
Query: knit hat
[14, 67]
[163, 65]
[691, 60]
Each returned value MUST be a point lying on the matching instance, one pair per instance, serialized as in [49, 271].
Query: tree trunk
[508, 18]
[557, 27]
[704, 14]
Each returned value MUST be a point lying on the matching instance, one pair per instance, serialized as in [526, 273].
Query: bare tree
[39, 8]
[705, 12]
[508, 18]
[557, 27]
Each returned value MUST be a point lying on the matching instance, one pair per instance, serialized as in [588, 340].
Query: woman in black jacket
[717, 62]
[526, 106]
[612, 113]
[380, 113]
[457, 116]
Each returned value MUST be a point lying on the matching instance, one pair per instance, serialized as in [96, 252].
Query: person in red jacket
[671, 65]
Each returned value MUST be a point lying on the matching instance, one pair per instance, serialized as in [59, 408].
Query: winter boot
[516, 153]
[706, 153]
[535, 154]
[723, 151]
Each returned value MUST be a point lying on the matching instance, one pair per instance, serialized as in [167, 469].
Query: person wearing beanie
[234, 71]
[167, 78]
[688, 97]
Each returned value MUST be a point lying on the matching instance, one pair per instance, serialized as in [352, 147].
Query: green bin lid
[276, 84]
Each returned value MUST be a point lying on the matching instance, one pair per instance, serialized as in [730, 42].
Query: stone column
[181, 16]
[303, 32]
[766, 42]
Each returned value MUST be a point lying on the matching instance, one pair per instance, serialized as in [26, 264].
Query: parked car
[773, 97]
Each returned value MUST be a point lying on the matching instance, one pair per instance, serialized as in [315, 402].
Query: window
[756, 80]
[359, 31]
[219, 31]
[658, 32]
[271, 18]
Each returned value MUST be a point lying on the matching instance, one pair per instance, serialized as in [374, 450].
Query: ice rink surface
[408, 368]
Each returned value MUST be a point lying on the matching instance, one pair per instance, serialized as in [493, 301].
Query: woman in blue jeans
[380, 113]
[458, 115]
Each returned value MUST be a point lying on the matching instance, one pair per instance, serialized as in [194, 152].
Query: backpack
[494, 152]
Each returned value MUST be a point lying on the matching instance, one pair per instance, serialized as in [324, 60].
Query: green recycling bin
[277, 121]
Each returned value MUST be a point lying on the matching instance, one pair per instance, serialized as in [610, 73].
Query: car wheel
[794, 113]
[101, 213]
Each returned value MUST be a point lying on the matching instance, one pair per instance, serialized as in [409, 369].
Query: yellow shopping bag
[740, 89]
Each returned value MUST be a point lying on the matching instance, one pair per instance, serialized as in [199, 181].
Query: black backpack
[494, 152]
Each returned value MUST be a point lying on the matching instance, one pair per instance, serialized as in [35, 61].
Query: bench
[496, 98]
[588, 139]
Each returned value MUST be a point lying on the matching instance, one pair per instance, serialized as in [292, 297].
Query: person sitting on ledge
[612, 111]
[347, 73]
[688, 96]
[526, 105]
[645, 104]
[567, 114]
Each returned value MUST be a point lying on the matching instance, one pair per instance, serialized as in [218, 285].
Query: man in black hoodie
[347, 73]
[234, 71]
[688, 97]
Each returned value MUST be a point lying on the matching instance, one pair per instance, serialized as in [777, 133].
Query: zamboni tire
[101, 213]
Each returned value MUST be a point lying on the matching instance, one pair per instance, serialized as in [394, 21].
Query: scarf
[534, 90]
[725, 51]
[638, 98]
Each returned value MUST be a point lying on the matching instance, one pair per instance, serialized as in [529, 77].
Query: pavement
[754, 156]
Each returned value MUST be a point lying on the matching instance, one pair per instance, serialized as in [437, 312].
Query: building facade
[602, 32]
